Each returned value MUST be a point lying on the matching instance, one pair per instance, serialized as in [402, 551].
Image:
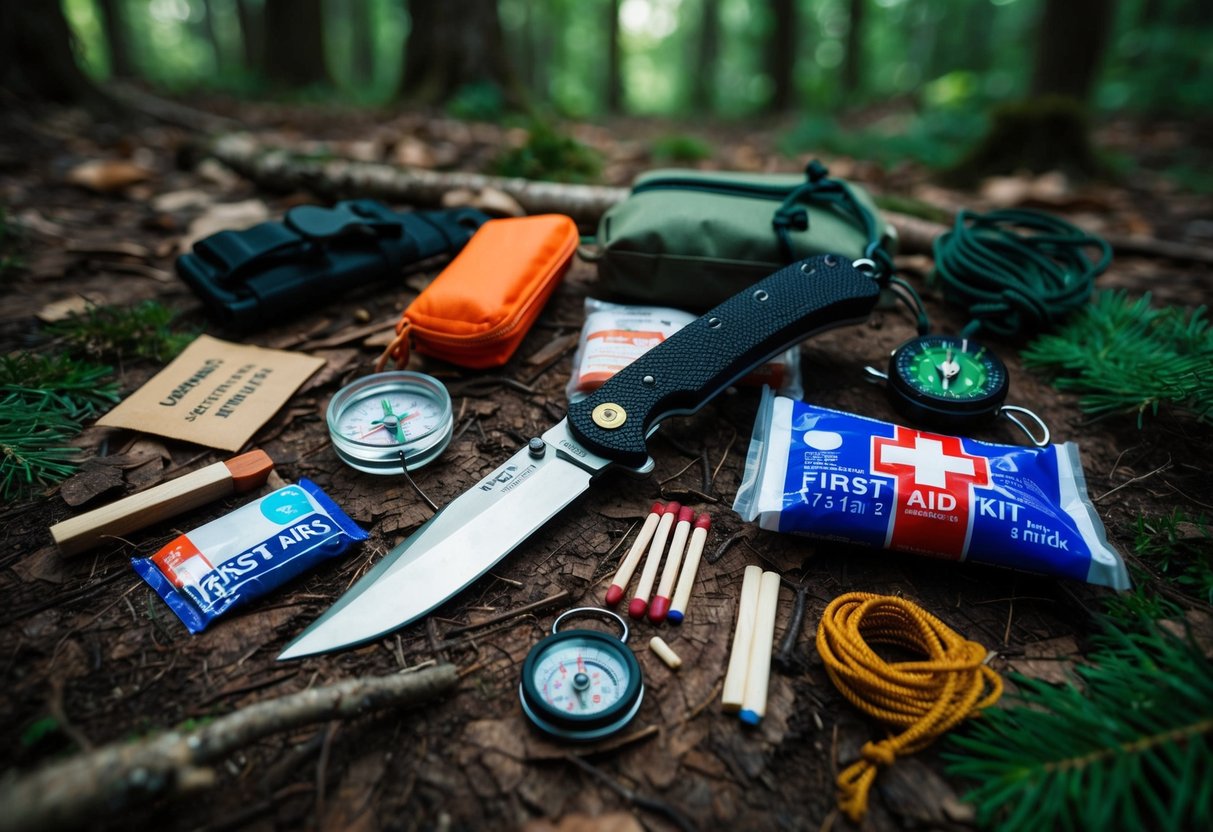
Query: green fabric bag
[691, 239]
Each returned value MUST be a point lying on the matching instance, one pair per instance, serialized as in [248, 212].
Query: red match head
[686, 514]
[658, 507]
[673, 508]
[703, 521]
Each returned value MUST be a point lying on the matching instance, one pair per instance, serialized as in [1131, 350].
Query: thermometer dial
[389, 422]
[581, 685]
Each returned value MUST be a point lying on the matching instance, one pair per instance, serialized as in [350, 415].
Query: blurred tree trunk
[451, 45]
[1050, 130]
[1072, 37]
[852, 66]
[37, 61]
[252, 36]
[614, 63]
[211, 34]
[117, 37]
[781, 55]
[293, 38]
[362, 37]
[703, 74]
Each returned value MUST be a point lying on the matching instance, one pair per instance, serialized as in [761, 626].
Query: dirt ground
[85, 642]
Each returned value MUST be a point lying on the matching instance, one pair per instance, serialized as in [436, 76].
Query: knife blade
[609, 428]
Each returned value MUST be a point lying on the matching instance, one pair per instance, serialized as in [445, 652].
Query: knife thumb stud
[609, 416]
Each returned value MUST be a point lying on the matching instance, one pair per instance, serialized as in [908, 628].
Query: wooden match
[640, 601]
[758, 676]
[619, 584]
[661, 601]
[686, 581]
[743, 636]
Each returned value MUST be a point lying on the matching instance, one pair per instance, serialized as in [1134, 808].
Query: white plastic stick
[743, 636]
[754, 702]
[663, 651]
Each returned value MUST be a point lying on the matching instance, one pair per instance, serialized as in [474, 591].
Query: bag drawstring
[398, 349]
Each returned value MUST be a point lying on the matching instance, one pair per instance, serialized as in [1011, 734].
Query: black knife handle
[684, 372]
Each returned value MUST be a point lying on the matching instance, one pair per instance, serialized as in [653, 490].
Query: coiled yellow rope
[926, 698]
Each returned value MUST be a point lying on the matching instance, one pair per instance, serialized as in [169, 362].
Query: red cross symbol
[934, 483]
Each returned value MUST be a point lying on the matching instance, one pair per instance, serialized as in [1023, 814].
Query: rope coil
[925, 697]
[1017, 271]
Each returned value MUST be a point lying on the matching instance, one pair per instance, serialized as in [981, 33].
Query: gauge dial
[947, 380]
[384, 421]
[581, 685]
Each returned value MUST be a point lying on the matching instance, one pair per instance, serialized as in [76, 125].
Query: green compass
[952, 382]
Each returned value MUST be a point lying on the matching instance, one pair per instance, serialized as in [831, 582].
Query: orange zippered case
[476, 312]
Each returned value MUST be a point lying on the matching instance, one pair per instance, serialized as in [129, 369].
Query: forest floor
[88, 649]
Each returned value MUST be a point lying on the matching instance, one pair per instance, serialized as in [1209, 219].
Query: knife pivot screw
[761, 295]
[536, 447]
[609, 416]
[648, 381]
[714, 323]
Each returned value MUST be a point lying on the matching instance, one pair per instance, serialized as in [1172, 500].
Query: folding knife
[608, 428]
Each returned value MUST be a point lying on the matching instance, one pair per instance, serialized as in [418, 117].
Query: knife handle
[684, 372]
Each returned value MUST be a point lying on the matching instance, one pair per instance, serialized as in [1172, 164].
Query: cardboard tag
[215, 393]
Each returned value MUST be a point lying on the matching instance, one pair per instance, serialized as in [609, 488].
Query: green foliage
[39, 730]
[42, 403]
[110, 332]
[478, 102]
[1132, 748]
[937, 138]
[1179, 547]
[680, 148]
[1124, 356]
[552, 155]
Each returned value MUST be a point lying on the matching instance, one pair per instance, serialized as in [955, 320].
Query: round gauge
[387, 423]
[947, 380]
[581, 685]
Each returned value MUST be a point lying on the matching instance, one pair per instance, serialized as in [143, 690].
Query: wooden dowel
[138, 511]
[743, 636]
[758, 676]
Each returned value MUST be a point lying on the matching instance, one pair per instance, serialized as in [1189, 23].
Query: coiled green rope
[1017, 271]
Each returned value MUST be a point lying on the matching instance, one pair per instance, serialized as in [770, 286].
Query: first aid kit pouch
[248, 279]
[228, 562]
[691, 239]
[842, 477]
[477, 311]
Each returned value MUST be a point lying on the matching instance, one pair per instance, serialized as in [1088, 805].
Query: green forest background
[925, 74]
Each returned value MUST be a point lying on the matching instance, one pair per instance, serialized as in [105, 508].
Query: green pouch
[691, 239]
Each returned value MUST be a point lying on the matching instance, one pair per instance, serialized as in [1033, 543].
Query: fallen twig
[105, 780]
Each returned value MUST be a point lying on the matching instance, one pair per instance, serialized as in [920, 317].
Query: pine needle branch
[1125, 356]
[1131, 748]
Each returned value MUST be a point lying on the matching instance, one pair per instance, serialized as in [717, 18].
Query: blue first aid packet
[246, 553]
[838, 476]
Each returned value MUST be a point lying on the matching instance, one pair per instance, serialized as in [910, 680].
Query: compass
[581, 685]
[387, 423]
[952, 382]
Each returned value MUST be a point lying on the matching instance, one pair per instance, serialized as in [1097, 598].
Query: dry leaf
[61, 310]
[180, 200]
[225, 216]
[107, 176]
[610, 822]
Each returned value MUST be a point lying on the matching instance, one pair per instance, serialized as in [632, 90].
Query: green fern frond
[33, 447]
[1131, 749]
[111, 332]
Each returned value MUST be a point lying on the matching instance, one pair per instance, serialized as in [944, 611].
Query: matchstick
[619, 584]
[640, 601]
[758, 677]
[682, 595]
[743, 636]
[661, 601]
[142, 509]
[665, 653]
